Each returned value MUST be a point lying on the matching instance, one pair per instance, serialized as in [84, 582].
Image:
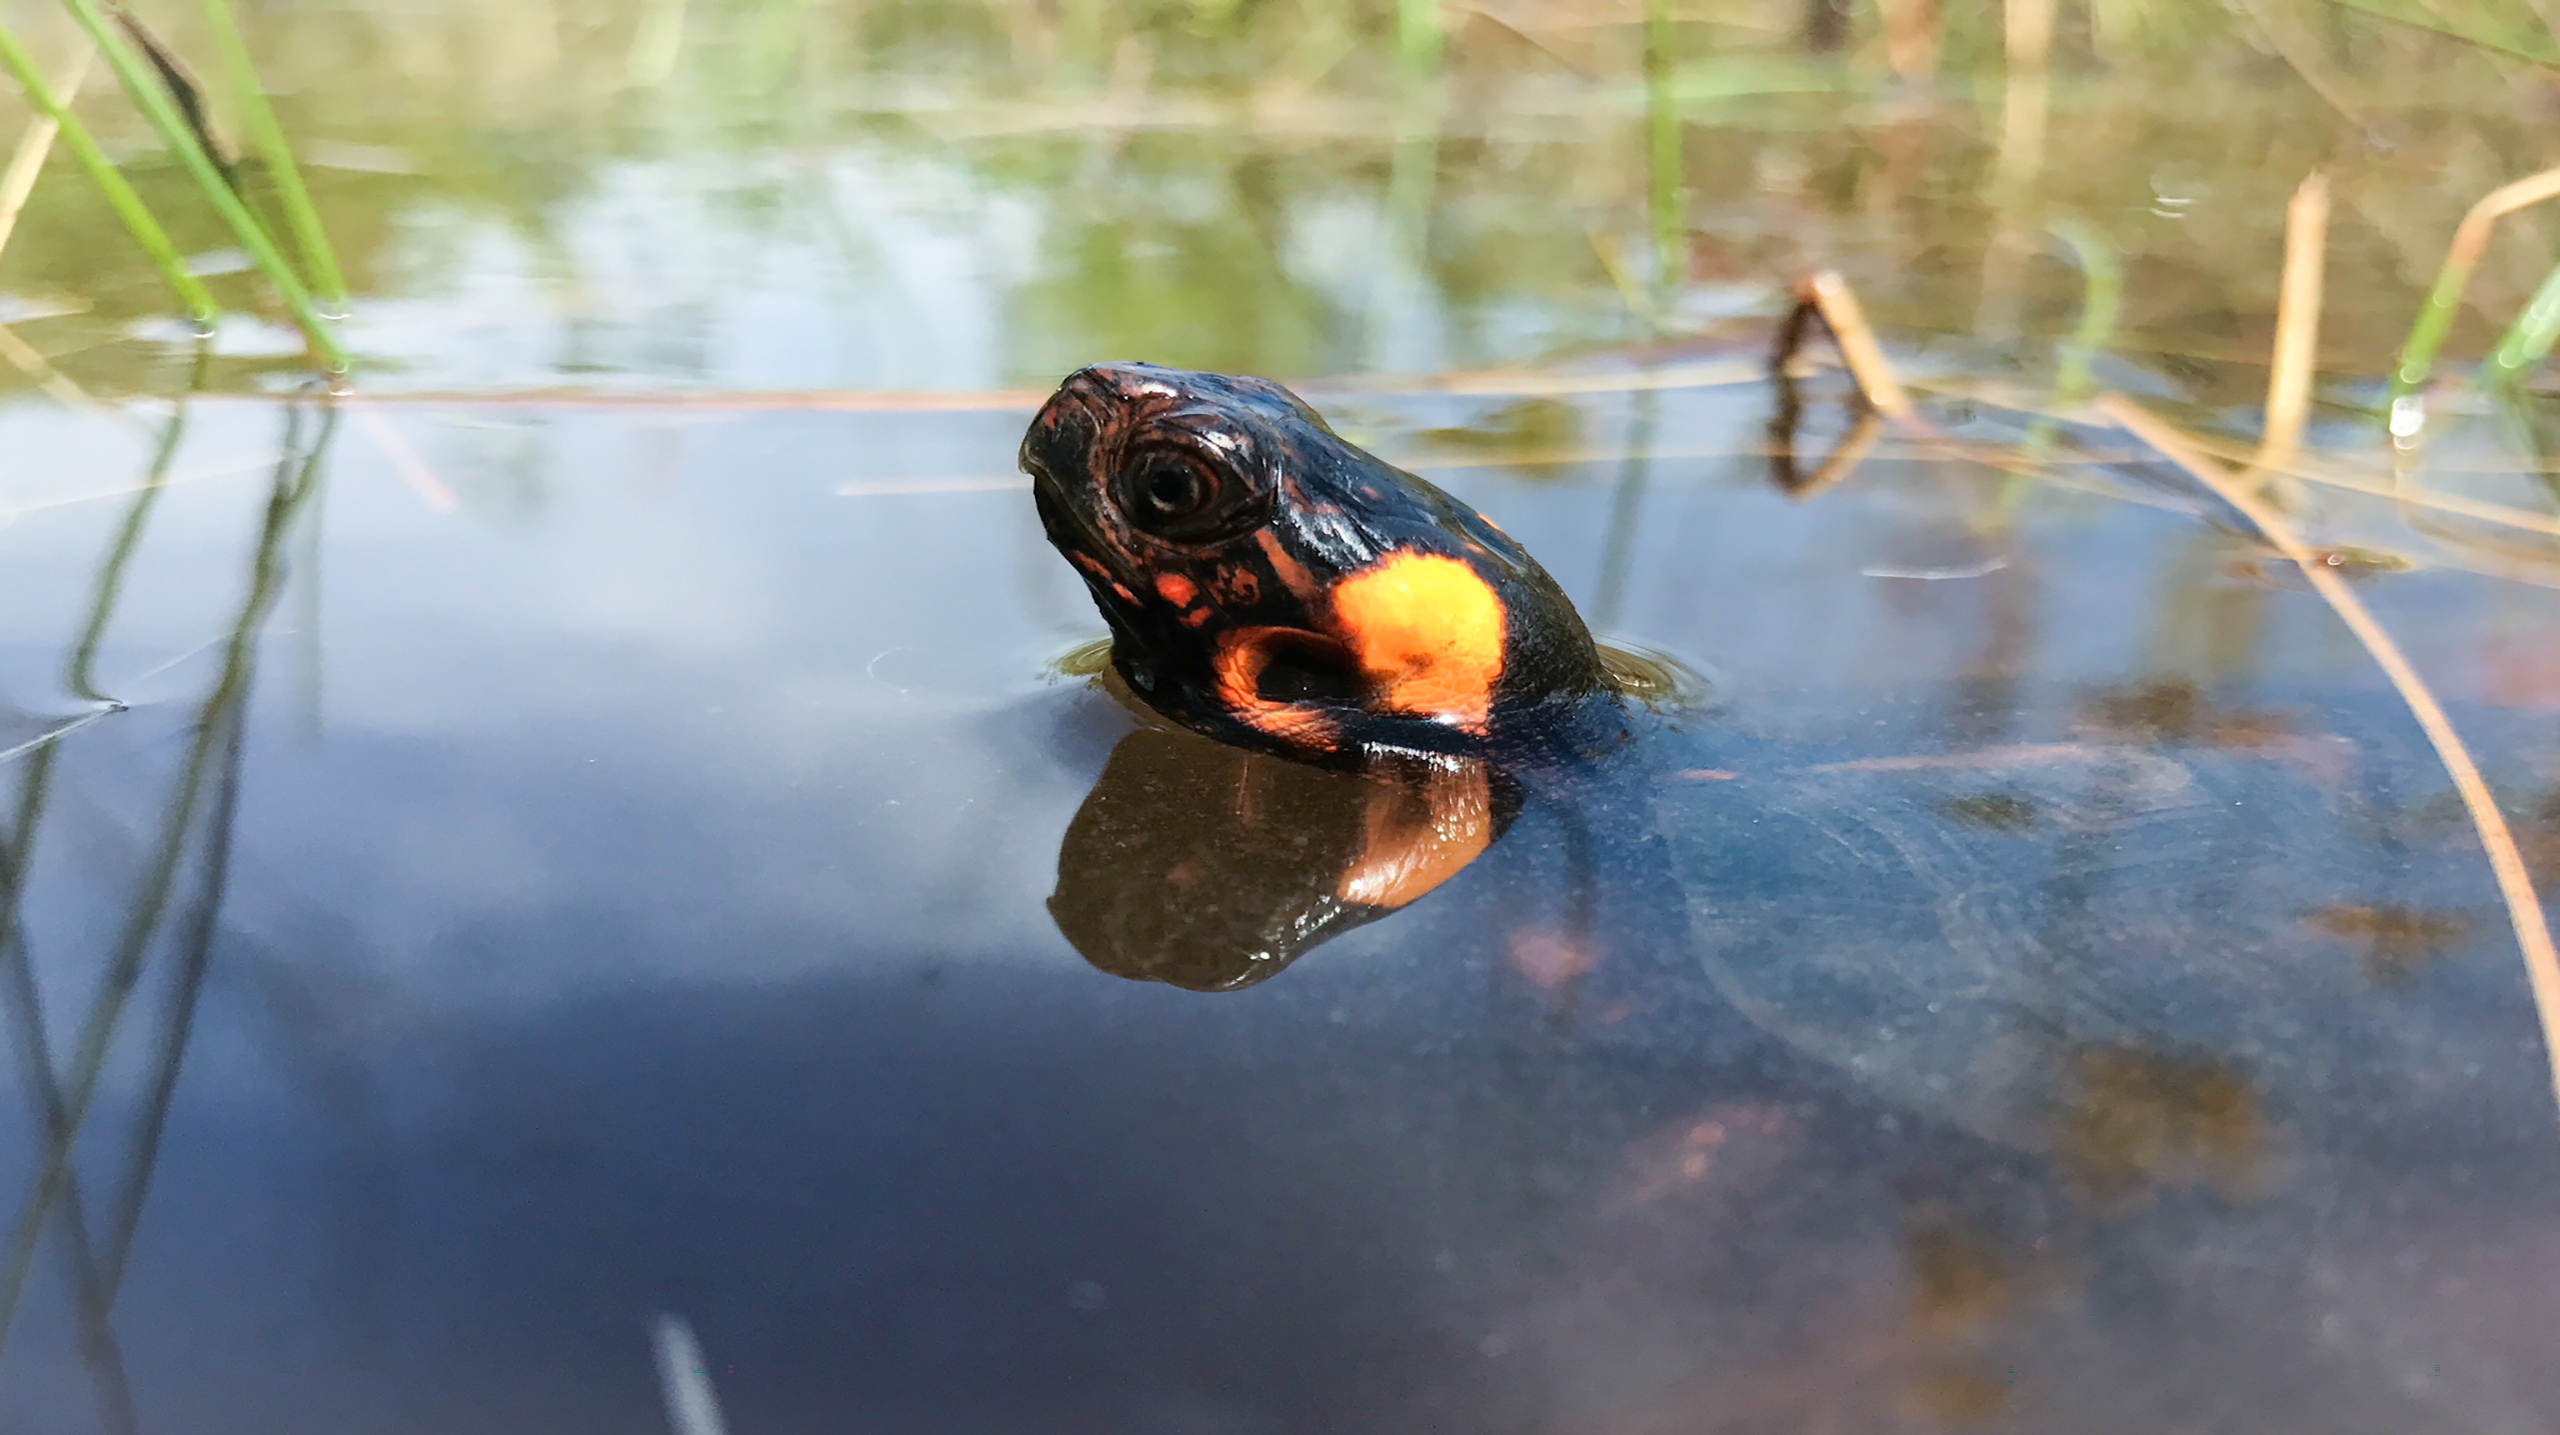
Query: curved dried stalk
[2418, 354]
[2405, 495]
[2506, 861]
[1826, 296]
[2528, 340]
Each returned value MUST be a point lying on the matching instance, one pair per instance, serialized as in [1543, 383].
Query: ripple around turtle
[1658, 680]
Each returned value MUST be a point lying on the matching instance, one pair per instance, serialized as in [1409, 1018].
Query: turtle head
[1270, 584]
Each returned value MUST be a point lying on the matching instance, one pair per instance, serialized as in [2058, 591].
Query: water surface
[581, 829]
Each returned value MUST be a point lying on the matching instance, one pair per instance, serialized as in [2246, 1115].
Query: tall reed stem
[145, 89]
[128, 205]
[329, 286]
[2528, 341]
[1662, 116]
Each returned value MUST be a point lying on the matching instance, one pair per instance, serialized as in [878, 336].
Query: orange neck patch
[1238, 663]
[1429, 633]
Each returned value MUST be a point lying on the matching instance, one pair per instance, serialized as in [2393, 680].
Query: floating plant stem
[1626, 507]
[148, 94]
[2528, 341]
[2497, 840]
[318, 259]
[1630, 293]
[129, 208]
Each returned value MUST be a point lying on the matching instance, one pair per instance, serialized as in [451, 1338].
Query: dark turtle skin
[1273, 586]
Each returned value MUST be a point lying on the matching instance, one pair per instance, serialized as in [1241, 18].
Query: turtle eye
[1169, 490]
[1183, 494]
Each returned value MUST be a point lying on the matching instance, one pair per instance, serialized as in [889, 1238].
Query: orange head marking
[1293, 575]
[1428, 631]
[1270, 584]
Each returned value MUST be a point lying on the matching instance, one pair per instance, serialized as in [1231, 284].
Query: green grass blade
[2426, 336]
[129, 208]
[2101, 304]
[153, 100]
[2102, 300]
[2517, 47]
[2528, 341]
[1662, 117]
[318, 259]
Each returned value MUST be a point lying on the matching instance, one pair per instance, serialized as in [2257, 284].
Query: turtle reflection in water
[2091, 946]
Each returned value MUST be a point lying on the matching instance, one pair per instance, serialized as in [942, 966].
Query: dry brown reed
[26, 359]
[1853, 450]
[19, 180]
[2506, 860]
[16, 183]
[1911, 39]
[1828, 295]
[2297, 342]
[2471, 237]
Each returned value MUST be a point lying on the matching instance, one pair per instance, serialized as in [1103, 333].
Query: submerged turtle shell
[2144, 944]
[2052, 945]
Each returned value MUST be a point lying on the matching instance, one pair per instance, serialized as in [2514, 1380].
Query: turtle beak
[1065, 514]
[1069, 531]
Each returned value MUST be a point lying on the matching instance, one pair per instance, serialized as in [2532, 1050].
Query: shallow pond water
[565, 922]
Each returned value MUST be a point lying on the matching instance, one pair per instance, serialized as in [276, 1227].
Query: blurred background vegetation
[823, 193]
